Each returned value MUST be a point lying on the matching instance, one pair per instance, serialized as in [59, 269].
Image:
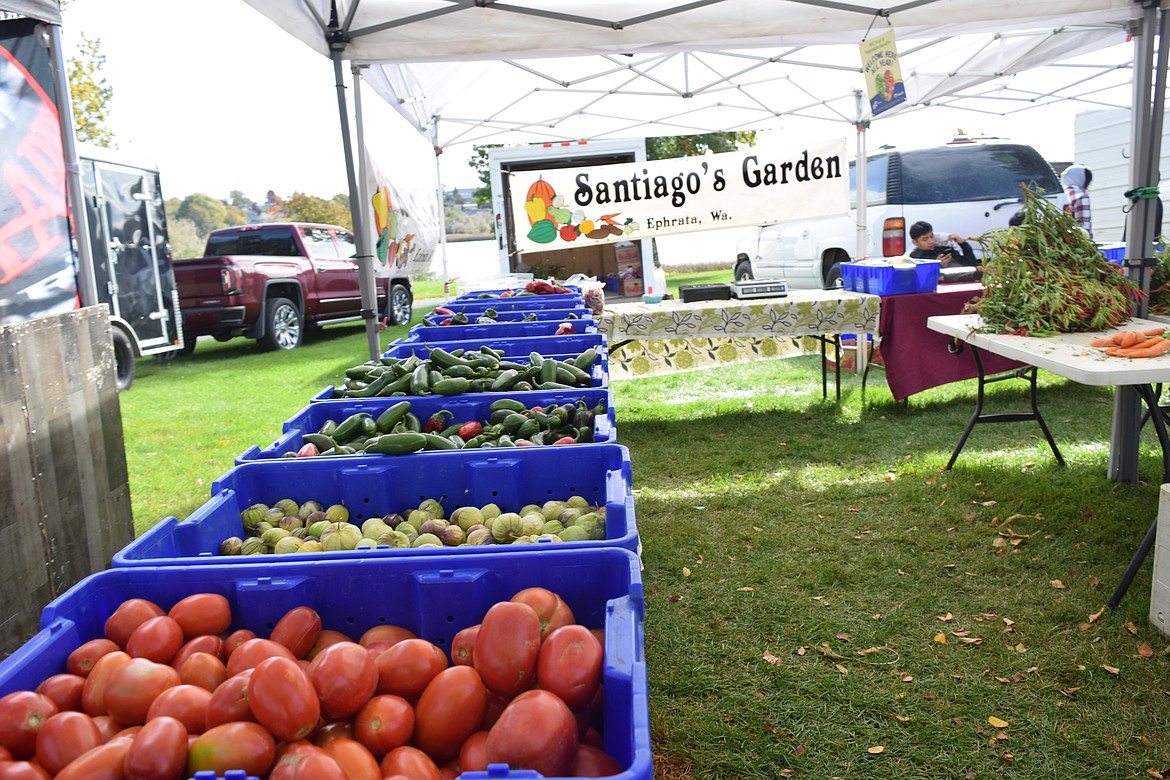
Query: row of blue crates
[434, 592]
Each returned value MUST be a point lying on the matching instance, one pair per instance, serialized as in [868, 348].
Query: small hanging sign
[883, 74]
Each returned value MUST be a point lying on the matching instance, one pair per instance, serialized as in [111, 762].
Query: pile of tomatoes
[166, 694]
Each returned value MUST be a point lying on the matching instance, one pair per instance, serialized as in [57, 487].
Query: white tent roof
[45, 10]
[512, 71]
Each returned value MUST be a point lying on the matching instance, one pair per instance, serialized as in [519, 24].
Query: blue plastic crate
[1114, 253]
[890, 279]
[474, 295]
[374, 486]
[485, 334]
[512, 346]
[435, 598]
[541, 315]
[522, 304]
[465, 408]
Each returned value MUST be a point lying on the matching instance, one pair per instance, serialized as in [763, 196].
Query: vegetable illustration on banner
[883, 74]
[565, 207]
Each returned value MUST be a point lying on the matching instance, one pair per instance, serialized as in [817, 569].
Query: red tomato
[204, 670]
[158, 752]
[229, 702]
[406, 668]
[22, 770]
[305, 761]
[552, 611]
[64, 737]
[449, 711]
[129, 615]
[345, 678]
[251, 653]
[495, 707]
[127, 733]
[507, 646]
[186, 704]
[536, 731]
[104, 762]
[202, 613]
[341, 729]
[234, 640]
[81, 660]
[283, 699]
[325, 639]
[93, 695]
[355, 760]
[473, 754]
[569, 664]
[385, 723]
[594, 762]
[207, 643]
[64, 689]
[298, 630]
[386, 636]
[411, 763]
[134, 686]
[463, 646]
[157, 639]
[22, 713]
[107, 726]
[246, 746]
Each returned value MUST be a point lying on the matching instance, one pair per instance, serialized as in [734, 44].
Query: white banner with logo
[559, 208]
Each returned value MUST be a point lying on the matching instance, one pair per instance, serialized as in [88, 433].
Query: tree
[185, 238]
[479, 161]
[310, 208]
[207, 213]
[667, 146]
[90, 93]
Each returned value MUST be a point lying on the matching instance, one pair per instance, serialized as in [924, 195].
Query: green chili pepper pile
[1047, 276]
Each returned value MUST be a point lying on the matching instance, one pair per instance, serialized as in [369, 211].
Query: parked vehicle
[964, 187]
[271, 282]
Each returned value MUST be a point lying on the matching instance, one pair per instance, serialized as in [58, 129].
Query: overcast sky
[220, 98]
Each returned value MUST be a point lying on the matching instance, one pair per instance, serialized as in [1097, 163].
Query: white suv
[964, 187]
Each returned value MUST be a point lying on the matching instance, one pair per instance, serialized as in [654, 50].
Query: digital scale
[759, 288]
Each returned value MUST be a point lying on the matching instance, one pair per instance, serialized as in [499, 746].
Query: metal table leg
[1028, 373]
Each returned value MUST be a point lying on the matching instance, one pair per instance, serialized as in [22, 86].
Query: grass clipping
[1047, 276]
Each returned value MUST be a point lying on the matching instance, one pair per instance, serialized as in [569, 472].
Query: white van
[964, 187]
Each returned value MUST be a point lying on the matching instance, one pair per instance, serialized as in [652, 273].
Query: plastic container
[891, 279]
[1114, 253]
[512, 346]
[486, 295]
[487, 333]
[374, 486]
[521, 303]
[435, 598]
[465, 408]
[541, 315]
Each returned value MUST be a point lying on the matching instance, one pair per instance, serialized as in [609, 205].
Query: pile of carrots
[1134, 343]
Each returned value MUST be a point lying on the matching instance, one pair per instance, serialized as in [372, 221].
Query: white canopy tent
[497, 71]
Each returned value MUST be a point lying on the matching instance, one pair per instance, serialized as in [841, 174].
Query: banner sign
[405, 223]
[883, 74]
[37, 276]
[563, 207]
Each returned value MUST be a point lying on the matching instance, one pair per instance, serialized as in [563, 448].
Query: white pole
[442, 204]
[859, 176]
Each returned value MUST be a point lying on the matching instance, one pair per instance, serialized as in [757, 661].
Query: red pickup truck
[271, 282]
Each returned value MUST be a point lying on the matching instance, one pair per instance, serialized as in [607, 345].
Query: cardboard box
[631, 286]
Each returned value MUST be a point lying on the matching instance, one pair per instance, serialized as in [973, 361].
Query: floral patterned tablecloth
[659, 338]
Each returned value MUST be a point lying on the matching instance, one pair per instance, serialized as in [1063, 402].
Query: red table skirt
[918, 359]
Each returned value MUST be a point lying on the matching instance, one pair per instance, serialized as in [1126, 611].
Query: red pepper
[565, 440]
[565, 329]
[437, 422]
[446, 321]
[441, 310]
[308, 451]
[469, 430]
[524, 443]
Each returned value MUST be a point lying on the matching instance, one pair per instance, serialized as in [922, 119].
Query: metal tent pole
[861, 169]
[1126, 428]
[365, 260]
[442, 204]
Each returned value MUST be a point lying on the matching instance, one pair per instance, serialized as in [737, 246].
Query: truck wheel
[399, 305]
[833, 277]
[283, 325]
[743, 271]
[123, 360]
[188, 344]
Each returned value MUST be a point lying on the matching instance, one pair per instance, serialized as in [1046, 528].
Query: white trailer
[606, 260]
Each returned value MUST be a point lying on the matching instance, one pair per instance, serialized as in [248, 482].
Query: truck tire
[399, 304]
[283, 325]
[743, 271]
[123, 360]
[833, 277]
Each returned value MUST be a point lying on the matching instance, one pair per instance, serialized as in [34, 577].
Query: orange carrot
[1104, 341]
[1154, 332]
[1151, 348]
[1129, 339]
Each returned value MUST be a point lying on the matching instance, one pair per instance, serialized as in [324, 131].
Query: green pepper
[511, 404]
[453, 385]
[433, 441]
[399, 443]
[420, 380]
[392, 416]
[373, 388]
[412, 423]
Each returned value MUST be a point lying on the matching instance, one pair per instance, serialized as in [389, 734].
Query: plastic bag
[592, 291]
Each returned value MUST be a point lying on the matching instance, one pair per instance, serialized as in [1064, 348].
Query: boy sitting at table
[962, 268]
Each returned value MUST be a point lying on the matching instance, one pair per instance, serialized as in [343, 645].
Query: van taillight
[231, 281]
[894, 237]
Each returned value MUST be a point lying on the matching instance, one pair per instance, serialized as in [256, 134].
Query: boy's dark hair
[920, 229]
[1088, 178]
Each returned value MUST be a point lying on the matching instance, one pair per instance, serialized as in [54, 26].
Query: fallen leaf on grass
[1008, 757]
[873, 751]
[1097, 614]
[869, 651]
[841, 669]
[844, 637]
[800, 750]
[676, 597]
[888, 477]
[757, 529]
[971, 640]
[986, 503]
[998, 723]
[1111, 669]
[1094, 582]
[1009, 622]
[1070, 692]
[907, 678]
[902, 719]
[746, 589]
[686, 571]
[1021, 648]
[1024, 517]
[940, 638]
[1145, 651]
[947, 618]
[1131, 628]
[828, 652]
[772, 659]
[1056, 583]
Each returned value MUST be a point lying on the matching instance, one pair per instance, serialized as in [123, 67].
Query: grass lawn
[823, 600]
